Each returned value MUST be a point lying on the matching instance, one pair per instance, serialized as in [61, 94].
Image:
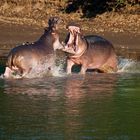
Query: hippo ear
[53, 20]
[45, 29]
[56, 20]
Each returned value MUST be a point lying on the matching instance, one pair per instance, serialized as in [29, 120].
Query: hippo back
[95, 38]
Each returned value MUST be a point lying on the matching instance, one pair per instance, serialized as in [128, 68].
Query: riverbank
[107, 22]
[36, 13]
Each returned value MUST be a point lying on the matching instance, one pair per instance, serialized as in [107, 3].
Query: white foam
[1, 76]
[128, 66]
[55, 67]
[50, 67]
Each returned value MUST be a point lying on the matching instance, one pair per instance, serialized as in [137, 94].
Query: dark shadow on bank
[91, 8]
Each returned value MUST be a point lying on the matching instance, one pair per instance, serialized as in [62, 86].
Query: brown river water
[95, 106]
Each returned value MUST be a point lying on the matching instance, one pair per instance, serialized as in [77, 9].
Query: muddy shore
[126, 44]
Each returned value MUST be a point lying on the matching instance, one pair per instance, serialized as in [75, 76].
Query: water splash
[1, 76]
[52, 66]
[128, 65]
[55, 66]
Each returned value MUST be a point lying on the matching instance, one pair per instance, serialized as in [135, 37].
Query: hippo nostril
[49, 68]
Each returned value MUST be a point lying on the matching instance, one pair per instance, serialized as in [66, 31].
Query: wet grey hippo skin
[91, 52]
[22, 59]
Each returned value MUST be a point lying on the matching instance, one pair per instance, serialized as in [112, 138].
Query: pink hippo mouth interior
[71, 41]
[71, 48]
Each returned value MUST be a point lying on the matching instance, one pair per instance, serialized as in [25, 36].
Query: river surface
[95, 106]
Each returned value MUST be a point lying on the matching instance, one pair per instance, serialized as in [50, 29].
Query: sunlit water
[74, 107]
[94, 106]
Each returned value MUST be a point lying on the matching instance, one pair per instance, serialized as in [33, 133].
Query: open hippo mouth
[70, 48]
[71, 41]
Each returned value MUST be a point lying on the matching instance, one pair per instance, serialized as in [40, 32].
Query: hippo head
[71, 41]
[52, 29]
[54, 22]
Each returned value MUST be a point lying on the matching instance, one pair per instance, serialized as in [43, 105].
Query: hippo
[26, 57]
[92, 52]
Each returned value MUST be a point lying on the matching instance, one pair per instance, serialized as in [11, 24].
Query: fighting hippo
[24, 58]
[91, 52]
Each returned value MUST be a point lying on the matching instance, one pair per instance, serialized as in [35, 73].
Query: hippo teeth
[63, 44]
